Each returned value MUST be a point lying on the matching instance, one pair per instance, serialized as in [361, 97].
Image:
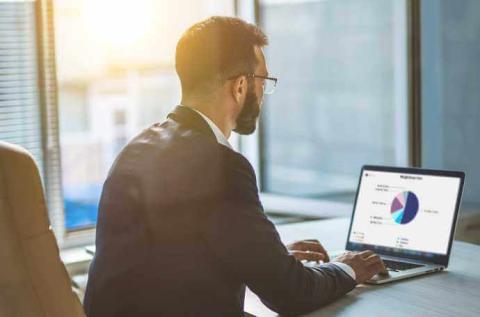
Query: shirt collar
[216, 130]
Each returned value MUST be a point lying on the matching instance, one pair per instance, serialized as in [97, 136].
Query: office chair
[33, 280]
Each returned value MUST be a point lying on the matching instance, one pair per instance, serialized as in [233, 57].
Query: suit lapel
[193, 120]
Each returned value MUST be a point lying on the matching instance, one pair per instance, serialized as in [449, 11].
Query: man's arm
[240, 235]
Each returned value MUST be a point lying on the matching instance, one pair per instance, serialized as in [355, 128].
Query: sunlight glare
[119, 23]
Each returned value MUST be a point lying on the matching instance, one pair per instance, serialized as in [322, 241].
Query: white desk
[455, 292]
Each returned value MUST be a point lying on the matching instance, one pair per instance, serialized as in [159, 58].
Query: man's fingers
[374, 258]
[377, 265]
[314, 246]
[365, 254]
[317, 247]
[303, 245]
[309, 256]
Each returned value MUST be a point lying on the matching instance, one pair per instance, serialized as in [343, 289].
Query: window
[343, 97]
[116, 76]
[450, 90]
[341, 100]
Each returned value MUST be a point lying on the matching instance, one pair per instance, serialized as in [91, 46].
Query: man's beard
[247, 118]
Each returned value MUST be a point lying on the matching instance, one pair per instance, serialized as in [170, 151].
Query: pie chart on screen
[404, 207]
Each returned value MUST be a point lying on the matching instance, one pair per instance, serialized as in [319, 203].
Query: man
[181, 230]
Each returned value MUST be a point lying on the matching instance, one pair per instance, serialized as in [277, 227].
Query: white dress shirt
[346, 268]
[223, 140]
[216, 130]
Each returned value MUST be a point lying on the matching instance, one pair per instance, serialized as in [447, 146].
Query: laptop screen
[413, 212]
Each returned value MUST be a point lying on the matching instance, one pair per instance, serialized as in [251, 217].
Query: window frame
[49, 108]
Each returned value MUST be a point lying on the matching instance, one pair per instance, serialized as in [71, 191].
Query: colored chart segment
[404, 207]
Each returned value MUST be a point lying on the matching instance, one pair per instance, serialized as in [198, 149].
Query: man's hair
[213, 50]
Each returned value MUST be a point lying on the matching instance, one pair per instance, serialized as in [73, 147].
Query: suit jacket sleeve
[239, 235]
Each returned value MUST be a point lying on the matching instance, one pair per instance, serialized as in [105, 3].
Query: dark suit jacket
[181, 231]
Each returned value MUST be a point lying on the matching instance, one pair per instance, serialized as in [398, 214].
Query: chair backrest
[33, 280]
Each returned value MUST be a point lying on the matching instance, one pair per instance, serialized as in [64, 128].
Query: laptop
[408, 217]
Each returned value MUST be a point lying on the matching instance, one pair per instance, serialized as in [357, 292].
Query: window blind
[28, 94]
[20, 114]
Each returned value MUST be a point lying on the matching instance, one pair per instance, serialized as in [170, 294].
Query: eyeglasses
[269, 83]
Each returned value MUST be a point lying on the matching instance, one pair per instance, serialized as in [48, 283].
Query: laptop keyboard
[400, 266]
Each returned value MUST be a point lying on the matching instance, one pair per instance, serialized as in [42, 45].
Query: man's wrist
[346, 268]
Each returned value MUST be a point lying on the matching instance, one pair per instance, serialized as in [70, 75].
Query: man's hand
[365, 264]
[310, 250]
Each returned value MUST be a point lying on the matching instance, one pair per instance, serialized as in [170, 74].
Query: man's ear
[239, 88]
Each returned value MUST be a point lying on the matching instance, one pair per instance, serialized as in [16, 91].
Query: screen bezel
[441, 259]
